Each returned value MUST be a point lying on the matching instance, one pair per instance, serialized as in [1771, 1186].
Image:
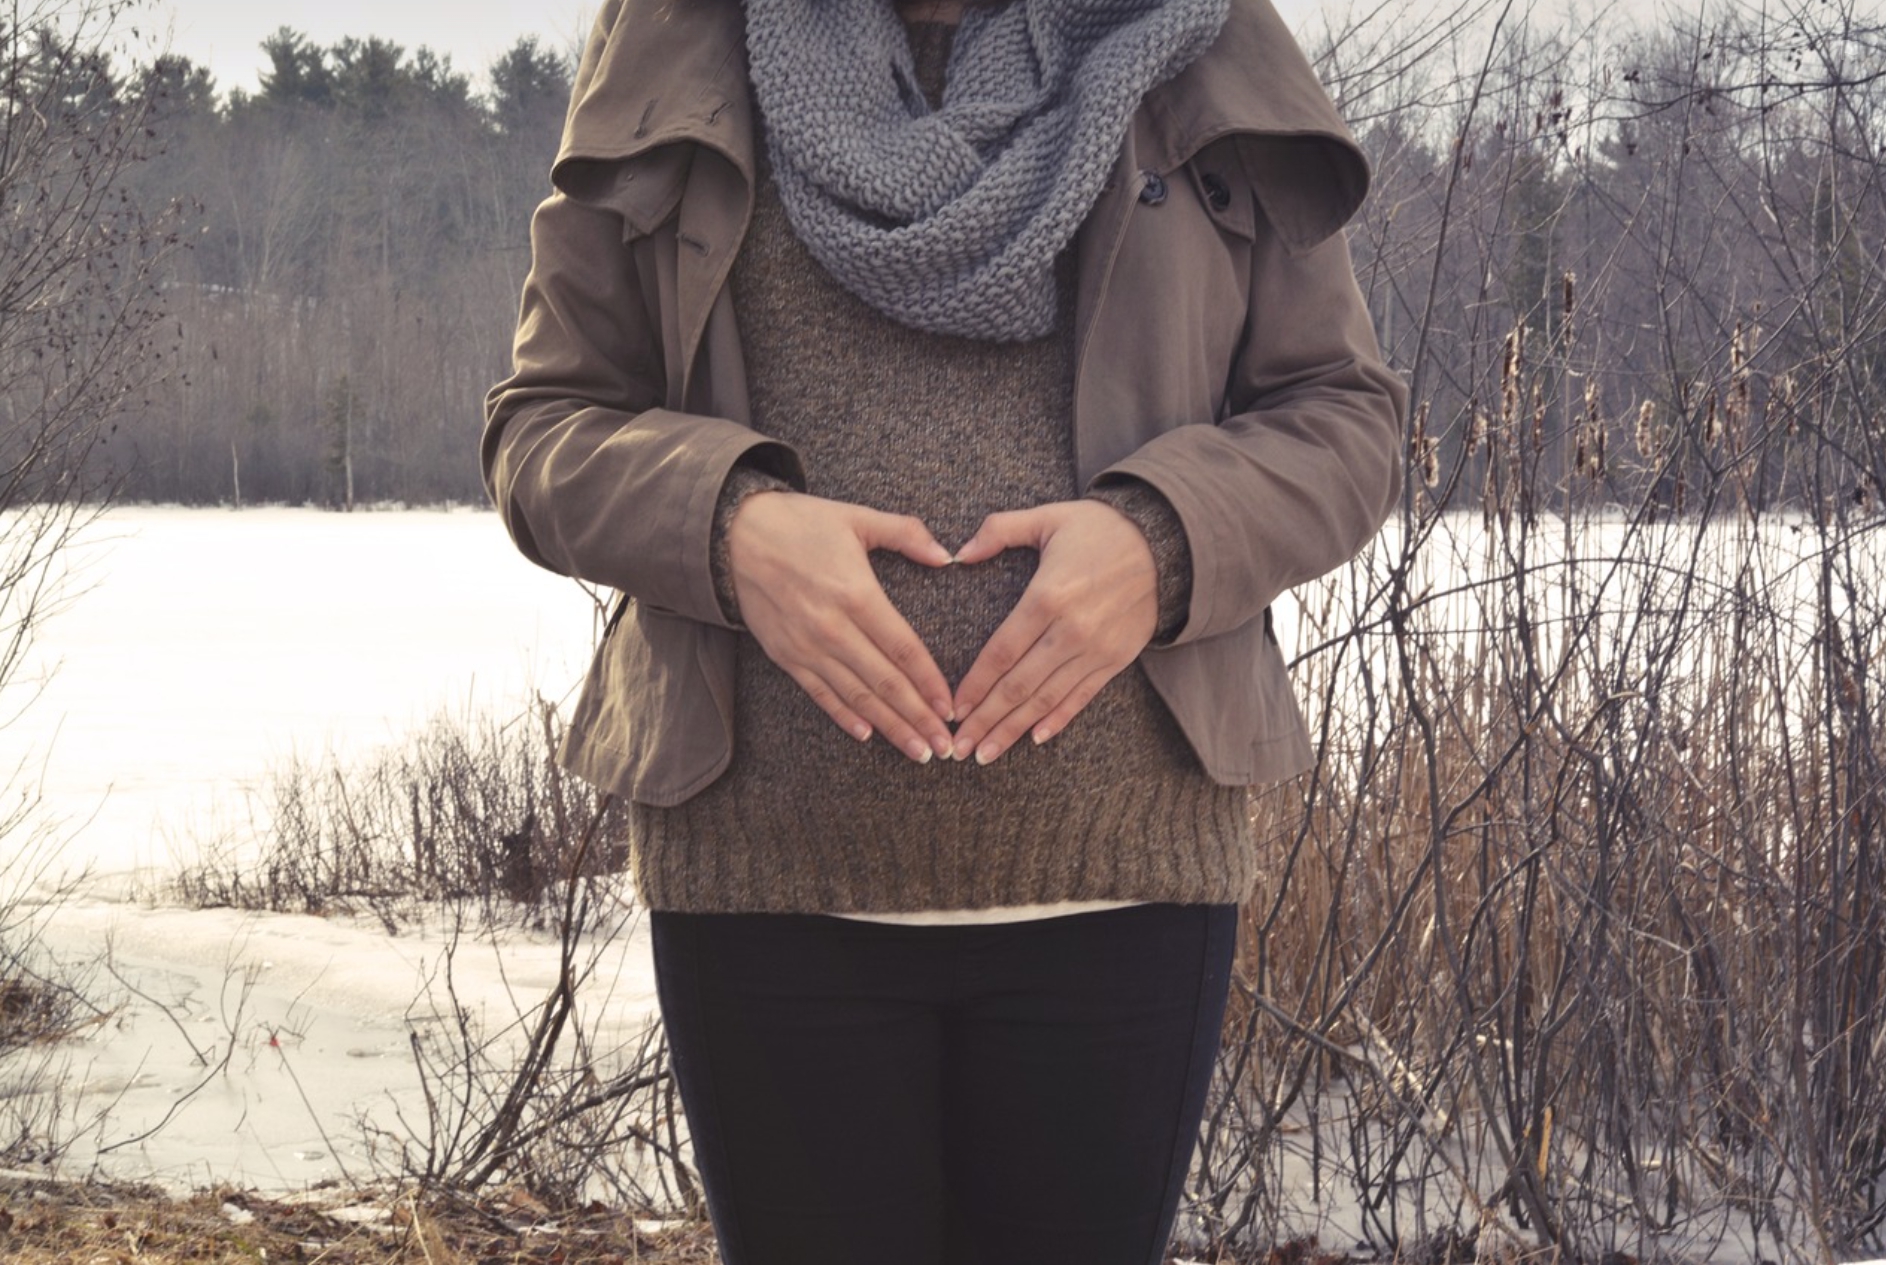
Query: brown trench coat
[1223, 355]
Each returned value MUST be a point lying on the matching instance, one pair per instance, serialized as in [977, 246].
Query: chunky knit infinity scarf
[950, 220]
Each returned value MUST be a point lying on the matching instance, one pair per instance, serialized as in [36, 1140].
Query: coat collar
[657, 72]
[1255, 83]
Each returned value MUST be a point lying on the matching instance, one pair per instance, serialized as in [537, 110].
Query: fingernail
[1043, 735]
[988, 753]
[861, 732]
[919, 751]
[943, 748]
[960, 752]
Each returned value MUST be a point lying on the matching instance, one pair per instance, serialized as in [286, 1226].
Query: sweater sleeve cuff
[742, 481]
[1172, 556]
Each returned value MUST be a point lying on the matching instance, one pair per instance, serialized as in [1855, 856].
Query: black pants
[927, 1095]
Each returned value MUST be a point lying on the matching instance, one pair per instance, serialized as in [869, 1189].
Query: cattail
[1647, 429]
[1424, 449]
[1736, 407]
[1538, 417]
[1591, 440]
[1784, 391]
[1476, 426]
[1712, 419]
[1509, 376]
[1569, 284]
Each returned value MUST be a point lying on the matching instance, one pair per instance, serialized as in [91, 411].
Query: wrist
[744, 484]
[1164, 534]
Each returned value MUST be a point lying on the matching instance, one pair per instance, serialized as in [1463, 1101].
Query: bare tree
[80, 301]
[80, 339]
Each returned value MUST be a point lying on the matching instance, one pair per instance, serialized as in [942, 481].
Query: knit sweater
[806, 819]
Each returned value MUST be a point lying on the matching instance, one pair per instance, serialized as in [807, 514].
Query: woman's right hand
[802, 576]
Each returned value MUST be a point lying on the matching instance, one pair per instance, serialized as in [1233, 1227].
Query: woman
[943, 842]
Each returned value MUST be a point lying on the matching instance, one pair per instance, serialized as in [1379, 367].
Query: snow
[316, 1019]
[205, 647]
[202, 649]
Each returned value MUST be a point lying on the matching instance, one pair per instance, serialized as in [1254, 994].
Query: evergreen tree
[298, 73]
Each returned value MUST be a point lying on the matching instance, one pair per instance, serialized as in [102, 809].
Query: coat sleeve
[1305, 466]
[592, 476]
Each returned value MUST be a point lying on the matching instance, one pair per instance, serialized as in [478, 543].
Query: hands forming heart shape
[803, 578]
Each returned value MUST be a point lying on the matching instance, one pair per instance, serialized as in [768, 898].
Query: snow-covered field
[202, 649]
[207, 647]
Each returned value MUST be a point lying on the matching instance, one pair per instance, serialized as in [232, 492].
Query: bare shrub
[80, 341]
[1573, 940]
[473, 821]
[43, 1001]
[541, 1102]
[468, 810]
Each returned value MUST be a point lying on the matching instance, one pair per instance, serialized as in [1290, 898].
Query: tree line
[352, 238]
[1640, 264]
[1610, 256]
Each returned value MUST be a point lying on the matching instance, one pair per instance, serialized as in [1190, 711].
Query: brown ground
[47, 1223]
[44, 1224]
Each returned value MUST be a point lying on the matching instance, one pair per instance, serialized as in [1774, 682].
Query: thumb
[900, 533]
[1016, 529]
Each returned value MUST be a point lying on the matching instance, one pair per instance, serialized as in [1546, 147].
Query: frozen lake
[201, 649]
[204, 647]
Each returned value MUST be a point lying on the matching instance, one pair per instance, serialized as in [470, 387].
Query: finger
[1055, 723]
[901, 533]
[1021, 719]
[1012, 689]
[1017, 635]
[878, 650]
[837, 690]
[831, 704]
[918, 689]
[1015, 529]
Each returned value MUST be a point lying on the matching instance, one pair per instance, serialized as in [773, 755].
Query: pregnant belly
[955, 610]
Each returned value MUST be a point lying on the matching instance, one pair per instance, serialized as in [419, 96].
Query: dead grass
[43, 1224]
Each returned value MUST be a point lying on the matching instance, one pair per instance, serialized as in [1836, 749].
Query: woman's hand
[1092, 606]
[803, 579]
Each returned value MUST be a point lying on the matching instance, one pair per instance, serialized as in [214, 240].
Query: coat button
[1217, 192]
[1153, 189]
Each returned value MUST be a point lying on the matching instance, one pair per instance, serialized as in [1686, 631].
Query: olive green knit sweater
[808, 820]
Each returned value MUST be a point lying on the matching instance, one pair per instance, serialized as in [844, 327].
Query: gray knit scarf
[950, 220]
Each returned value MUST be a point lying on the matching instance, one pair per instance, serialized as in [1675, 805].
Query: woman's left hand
[1090, 609]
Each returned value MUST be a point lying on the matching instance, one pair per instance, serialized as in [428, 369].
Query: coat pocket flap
[652, 723]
